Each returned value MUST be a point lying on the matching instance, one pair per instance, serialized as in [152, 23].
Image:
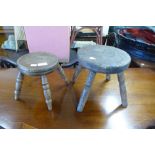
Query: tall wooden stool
[102, 59]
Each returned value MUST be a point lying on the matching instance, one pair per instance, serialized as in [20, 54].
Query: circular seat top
[106, 59]
[37, 63]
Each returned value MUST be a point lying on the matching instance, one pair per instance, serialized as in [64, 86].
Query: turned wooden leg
[47, 92]
[19, 81]
[76, 74]
[122, 87]
[107, 77]
[86, 90]
[62, 73]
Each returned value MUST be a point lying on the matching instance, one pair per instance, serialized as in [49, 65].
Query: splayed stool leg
[76, 74]
[62, 73]
[122, 87]
[47, 92]
[86, 91]
[18, 86]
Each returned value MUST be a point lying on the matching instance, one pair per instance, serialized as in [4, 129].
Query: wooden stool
[102, 59]
[96, 29]
[38, 64]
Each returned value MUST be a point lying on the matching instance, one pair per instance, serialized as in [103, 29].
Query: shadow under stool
[38, 64]
[102, 59]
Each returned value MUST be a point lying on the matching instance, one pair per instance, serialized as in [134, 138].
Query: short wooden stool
[102, 59]
[38, 64]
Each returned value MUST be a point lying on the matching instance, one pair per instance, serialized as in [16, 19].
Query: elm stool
[102, 59]
[38, 64]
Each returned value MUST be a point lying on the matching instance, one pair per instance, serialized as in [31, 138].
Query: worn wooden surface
[103, 108]
[103, 59]
[38, 63]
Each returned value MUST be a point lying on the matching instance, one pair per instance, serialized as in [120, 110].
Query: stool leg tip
[124, 105]
[49, 104]
[79, 109]
[49, 107]
[16, 97]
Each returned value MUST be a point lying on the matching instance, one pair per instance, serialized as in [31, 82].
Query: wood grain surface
[102, 109]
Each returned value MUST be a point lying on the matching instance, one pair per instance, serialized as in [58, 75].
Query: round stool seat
[104, 59]
[37, 63]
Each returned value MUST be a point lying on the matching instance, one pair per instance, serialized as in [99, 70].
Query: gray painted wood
[122, 87]
[62, 73]
[18, 86]
[86, 90]
[76, 73]
[47, 92]
[104, 59]
[38, 63]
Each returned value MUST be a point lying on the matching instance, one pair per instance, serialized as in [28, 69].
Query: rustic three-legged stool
[38, 64]
[102, 59]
